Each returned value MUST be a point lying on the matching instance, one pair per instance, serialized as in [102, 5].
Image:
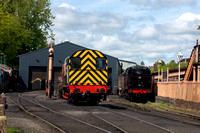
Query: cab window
[75, 63]
[101, 63]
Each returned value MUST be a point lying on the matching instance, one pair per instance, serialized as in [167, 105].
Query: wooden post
[194, 74]
[2, 110]
[167, 74]
[198, 74]
[3, 124]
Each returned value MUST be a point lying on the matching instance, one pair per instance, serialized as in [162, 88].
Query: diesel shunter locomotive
[136, 83]
[85, 77]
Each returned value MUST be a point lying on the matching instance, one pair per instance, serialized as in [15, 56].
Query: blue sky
[133, 30]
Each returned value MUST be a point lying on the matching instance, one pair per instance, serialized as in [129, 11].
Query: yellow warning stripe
[88, 63]
[99, 53]
[74, 75]
[71, 71]
[88, 83]
[102, 75]
[87, 76]
[80, 76]
[97, 77]
[105, 72]
[94, 77]
[88, 56]
[83, 53]
[95, 56]
[77, 53]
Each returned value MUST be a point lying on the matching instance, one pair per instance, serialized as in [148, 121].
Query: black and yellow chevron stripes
[88, 74]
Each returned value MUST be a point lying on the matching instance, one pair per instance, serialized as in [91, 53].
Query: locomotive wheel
[126, 96]
[69, 99]
[75, 101]
[93, 102]
[61, 93]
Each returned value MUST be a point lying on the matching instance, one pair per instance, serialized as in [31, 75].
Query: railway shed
[33, 66]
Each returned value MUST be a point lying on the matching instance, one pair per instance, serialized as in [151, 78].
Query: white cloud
[188, 17]
[68, 18]
[65, 5]
[147, 33]
[153, 4]
[112, 33]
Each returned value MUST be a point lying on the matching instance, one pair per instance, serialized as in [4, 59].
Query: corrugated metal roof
[63, 43]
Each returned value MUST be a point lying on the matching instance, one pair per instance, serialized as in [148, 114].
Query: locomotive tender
[136, 83]
[85, 77]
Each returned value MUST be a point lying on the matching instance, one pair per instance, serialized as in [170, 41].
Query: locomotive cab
[85, 77]
[135, 83]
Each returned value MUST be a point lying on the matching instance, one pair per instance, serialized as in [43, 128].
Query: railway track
[117, 129]
[133, 117]
[106, 117]
[120, 129]
[178, 112]
[173, 115]
[41, 119]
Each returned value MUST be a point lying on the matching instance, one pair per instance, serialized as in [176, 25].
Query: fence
[186, 90]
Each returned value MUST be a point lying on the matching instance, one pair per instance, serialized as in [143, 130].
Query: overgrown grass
[15, 130]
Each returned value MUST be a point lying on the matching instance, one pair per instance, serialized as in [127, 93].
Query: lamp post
[197, 27]
[179, 56]
[159, 64]
[197, 47]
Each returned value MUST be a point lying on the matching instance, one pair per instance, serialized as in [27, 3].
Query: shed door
[37, 77]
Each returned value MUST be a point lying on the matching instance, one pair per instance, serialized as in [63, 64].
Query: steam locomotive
[85, 77]
[136, 83]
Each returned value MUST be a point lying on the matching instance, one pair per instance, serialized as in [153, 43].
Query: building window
[75, 63]
[101, 63]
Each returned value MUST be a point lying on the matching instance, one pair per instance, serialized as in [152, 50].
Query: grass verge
[15, 130]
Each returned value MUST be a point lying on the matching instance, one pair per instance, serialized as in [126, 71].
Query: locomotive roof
[137, 70]
[138, 67]
[95, 52]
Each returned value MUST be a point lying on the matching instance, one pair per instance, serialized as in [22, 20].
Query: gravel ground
[18, 119]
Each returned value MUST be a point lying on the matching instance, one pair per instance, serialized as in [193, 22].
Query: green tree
[152, 70]
[162, 66]
[184, 64]
[11, 36]
[172, 65]
[28, 26]
[142, 63]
